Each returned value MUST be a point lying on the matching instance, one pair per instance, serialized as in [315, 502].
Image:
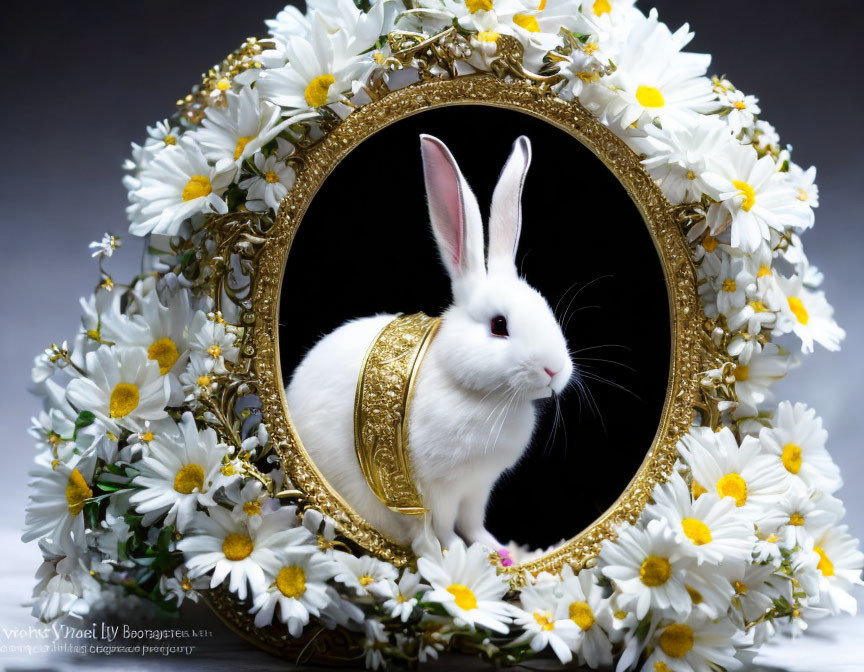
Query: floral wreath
[146, 488]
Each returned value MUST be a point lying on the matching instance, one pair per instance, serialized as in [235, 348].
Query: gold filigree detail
[384, 390]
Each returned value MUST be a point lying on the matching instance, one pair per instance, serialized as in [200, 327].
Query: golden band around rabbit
[384, 390]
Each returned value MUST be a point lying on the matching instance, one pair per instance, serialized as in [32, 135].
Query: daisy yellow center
[204, 381]
[488, 36]
[677, 640]
[660, 666]
[798, 310]
[590, 47]
[748, 192]
[696, 531]
[252, 508]
[582, 615]
[316, 92]
[165, 353]
[77, 491]
[697, 489]
[189, 478]
[825, 565]
[739, 105]
[655, 571]
[291, 581]
[271, 176]
[147, 437]
[198, 186]
[366, 580]
[792, 457]
[478, 5]
[742, 373]
[709, 243]
[796, 519]
[740, 588]
[124, 400]
[527, 22]
[544, 620]
[648, 96]
[601, 7]
[729, 285]
[801, 195]
[169, 140]
[214, 351]
[757, 306]
[465, 599]
[732, 485]
[695, 595]
[241, 145]
[237, 546]
[542, 5]
[223, 84]
[620, 614]
[228, 469]
[763, 271]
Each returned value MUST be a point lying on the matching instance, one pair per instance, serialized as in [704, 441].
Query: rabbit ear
[454, 213]
[505, 220]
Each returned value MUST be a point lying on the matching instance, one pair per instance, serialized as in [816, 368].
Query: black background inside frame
[365, 247]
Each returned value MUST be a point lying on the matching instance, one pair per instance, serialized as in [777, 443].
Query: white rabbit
[498, 348]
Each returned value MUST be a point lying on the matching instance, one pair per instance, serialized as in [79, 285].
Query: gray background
[81, 80]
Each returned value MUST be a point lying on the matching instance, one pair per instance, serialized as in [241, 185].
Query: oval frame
[689, 347]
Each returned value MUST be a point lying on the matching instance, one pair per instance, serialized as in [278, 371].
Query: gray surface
[82, 80]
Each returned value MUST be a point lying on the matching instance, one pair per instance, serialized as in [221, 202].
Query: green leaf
[84, 419]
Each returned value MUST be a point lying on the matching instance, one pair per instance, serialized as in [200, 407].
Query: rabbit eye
[498, 326]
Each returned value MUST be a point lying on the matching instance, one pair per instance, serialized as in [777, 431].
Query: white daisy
[649, 569]
[736, 279]
[214, 339]
[401, 598]
[162, 134]
[320, 71]
[709, 528]
[124, 388]
[159, 329]
[804, 184]
[544, 625]
[739, 110]
[840, 564]
[199, 380]
[797, 516]
[466, 584]
[363, 29]
[106, 246]
[756, 374]
[322, 528]
[226, 546]
[797, 440]
[696, 643]
[362, 573]
[755, 592]
[809, 315]
[252, 501]
[176, 479]
[751, 478]
[753, 198]
[269, 185]
[180, 587]
[239, 128]
[654, 79]
[59, 492]
[176, 184]
[582, 601]
[678, 155]
[297, 583]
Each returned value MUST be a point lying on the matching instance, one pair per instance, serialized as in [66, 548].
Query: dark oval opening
[584, 246]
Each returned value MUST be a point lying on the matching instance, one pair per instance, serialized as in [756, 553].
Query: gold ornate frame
[691, 351]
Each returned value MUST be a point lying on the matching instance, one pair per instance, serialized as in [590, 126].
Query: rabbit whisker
[597, 347]
[583, 288]
[570, 316]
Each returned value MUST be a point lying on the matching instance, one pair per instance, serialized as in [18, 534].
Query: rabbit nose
[549, 371]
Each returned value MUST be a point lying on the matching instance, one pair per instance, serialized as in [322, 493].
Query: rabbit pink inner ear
[446, 205]
[505, 220]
